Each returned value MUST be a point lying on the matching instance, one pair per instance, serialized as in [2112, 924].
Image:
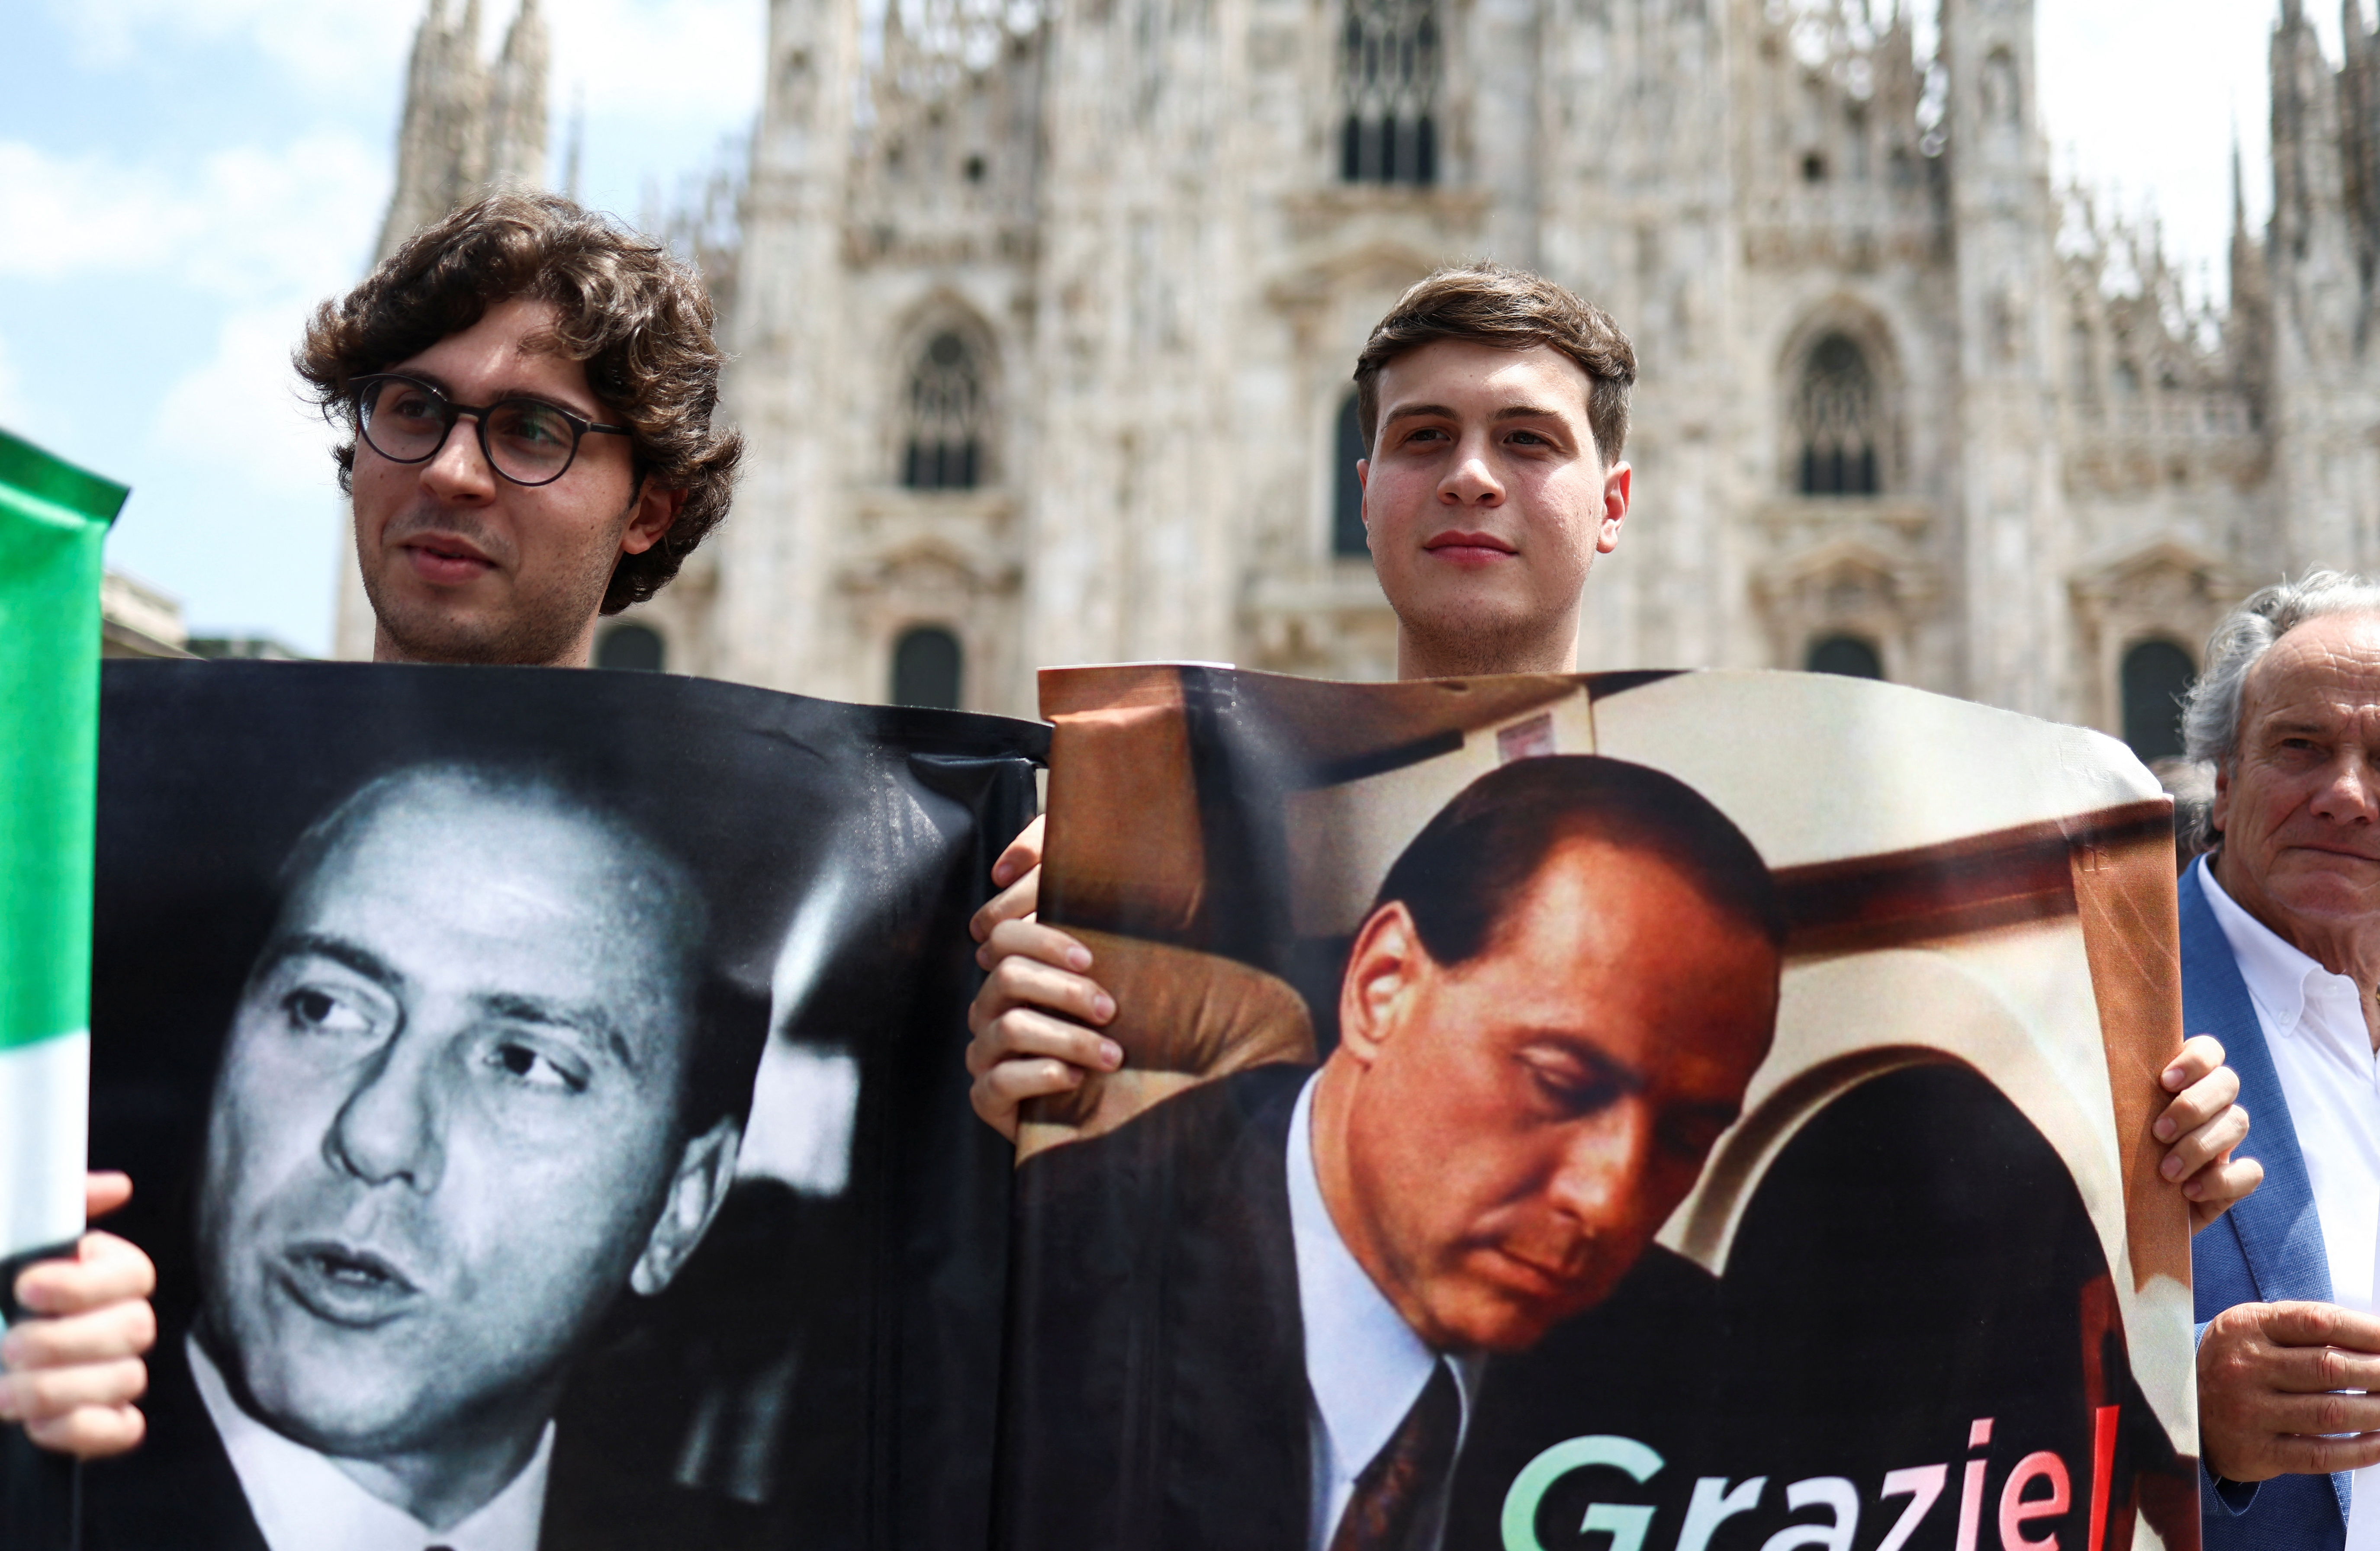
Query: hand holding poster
[1632, 1111]
[52, 521]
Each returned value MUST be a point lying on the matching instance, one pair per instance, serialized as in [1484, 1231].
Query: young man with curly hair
[580, 358]
[532, 394]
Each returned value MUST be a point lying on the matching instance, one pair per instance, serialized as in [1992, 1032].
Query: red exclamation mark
[2103, 1471]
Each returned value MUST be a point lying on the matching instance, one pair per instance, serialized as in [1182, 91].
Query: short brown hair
[1510, 309]
[1471, 862]
[637, 318]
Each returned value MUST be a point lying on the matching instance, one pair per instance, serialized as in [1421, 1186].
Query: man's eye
[532, 1067]
[413, 406]
[1572, 1091]
[536, 427]
[320, 1013]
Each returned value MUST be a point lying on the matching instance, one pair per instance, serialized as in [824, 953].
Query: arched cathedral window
[929, 667]
[2156, 674]
[631, 646]
[1835, 414]
[1347, 535]
[1852, 657]
[1388, 69]
[944, 448]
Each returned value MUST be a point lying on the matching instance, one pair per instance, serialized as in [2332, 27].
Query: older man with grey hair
[2280, 943]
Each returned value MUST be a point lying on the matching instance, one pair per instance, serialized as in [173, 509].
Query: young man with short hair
[578, 358]
[1495, 405]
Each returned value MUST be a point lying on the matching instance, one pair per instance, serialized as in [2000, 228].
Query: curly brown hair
[638, 319]
[1510, 309]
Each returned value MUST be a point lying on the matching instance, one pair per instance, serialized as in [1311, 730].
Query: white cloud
[659, 59]
[647, 56]
[325, 49]
[240, 413]
[250, 222]
[2142, 98]
[12, 393]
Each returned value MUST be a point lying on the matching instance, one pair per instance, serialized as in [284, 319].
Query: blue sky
[180, 180]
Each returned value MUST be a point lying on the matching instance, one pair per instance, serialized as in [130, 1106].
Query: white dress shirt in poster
[302, 1502]
[1365, 1367]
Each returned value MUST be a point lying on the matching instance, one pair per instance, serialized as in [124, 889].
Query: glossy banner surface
[1601, 1114]
[546, 1099]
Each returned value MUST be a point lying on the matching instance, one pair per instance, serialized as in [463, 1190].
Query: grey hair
[2210, 714]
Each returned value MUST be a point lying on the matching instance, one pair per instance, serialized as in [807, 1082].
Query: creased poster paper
[1737, 1085]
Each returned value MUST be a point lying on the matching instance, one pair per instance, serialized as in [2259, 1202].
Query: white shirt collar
[303, 1502]
[2283, 979]
[1365, 1367]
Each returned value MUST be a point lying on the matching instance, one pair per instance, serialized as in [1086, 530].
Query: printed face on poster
[1736, 1086]
[531, 1078]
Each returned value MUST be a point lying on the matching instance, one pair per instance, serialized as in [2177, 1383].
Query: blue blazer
[2267, 1249]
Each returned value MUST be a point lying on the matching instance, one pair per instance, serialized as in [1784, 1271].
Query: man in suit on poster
[477, 1089]
[1548, 1016]
[2280, 942]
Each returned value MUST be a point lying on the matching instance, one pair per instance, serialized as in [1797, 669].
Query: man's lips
[1468, 549]
[344, 1284]
[444, 559]
[1532, 1280]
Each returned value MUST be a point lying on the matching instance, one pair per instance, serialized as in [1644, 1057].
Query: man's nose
[1600, 1178]
[1472, 481]
[390, 1128]
[458, 470]
[2350, 795]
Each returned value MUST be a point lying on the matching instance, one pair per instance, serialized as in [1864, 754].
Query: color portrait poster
[1634, 1112]
[545, 1094]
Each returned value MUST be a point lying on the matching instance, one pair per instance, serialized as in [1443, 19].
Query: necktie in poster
[546, 1096]
[1738, 1083]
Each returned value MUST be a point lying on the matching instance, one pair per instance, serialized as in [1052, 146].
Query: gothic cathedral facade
[1044, 317]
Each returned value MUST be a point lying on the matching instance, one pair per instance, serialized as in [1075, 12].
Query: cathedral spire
[467, 126]
[517, 120]
[2238, 192]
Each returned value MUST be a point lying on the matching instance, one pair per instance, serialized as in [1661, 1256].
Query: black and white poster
[544, 1091]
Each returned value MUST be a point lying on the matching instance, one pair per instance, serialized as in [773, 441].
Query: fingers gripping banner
[1629, 1112]
[54, 520]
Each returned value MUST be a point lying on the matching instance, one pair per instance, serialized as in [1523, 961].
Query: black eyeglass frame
[359, 387]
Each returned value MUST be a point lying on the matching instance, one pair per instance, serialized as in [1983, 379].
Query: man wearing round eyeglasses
[580, 362]
[580, 357]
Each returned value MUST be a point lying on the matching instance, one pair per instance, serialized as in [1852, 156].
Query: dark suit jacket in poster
[178, 1490]
[2267, 1249]
[1157, 1397]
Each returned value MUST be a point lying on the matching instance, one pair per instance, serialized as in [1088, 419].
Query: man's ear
[1384, 972]
[657, 506]
[2218, 815]
[1618, 483]
[697, 1191]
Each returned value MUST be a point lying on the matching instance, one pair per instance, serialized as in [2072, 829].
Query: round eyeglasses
[525, 440]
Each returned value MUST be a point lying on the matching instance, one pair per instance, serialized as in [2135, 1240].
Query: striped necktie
[1395, 1501]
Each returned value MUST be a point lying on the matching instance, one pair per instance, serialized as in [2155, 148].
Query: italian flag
[53, 519]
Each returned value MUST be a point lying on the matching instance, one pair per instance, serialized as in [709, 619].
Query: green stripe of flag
[54, 520]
